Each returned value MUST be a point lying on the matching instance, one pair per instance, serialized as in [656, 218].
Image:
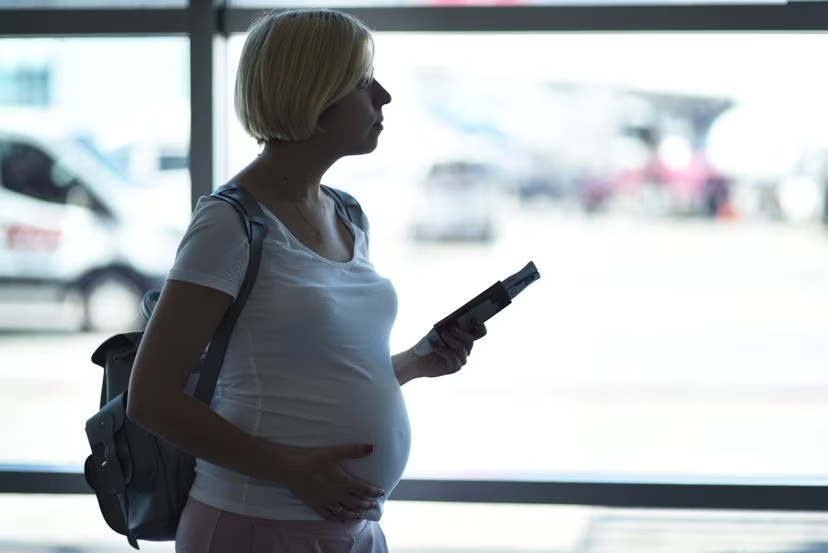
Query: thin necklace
[317, 233]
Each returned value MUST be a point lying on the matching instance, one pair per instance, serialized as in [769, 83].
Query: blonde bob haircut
[294, 65]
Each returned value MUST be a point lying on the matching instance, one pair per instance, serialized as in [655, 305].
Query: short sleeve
[214, 250]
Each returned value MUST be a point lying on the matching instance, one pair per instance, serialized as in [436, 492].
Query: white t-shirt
[308, 364]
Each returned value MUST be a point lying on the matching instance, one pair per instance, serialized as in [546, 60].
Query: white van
[74, 232]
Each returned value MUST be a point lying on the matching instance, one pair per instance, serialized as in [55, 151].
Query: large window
[670, 189]
[91, 211]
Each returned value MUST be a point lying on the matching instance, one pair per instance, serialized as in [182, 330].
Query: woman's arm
[182, 324]
[405, 366]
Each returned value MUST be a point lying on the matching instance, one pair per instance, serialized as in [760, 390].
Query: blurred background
[672, 189]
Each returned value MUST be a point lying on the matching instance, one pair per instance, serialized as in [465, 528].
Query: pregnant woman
[308, 431]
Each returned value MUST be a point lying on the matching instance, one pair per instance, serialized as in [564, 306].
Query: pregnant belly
[371, 413]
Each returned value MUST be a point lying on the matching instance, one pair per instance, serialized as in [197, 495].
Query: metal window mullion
[620, 495]
[804, 16]
[92, 22]
[806, 498]
[203, 28]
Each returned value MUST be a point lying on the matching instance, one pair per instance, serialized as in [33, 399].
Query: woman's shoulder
[215, 225]
[215, 212]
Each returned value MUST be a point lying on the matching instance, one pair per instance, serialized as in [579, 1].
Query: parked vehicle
[457, 201]
[74, 231]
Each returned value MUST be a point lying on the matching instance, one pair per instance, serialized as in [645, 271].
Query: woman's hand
[318, 480]
[449, 358]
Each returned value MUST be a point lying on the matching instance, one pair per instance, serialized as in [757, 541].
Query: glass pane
[117, 4]
[91, 212]
[671, 189]
[75, 525]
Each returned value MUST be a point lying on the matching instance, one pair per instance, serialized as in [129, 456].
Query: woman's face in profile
[353, 124]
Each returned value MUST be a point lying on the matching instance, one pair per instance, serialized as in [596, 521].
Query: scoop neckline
[307, 249]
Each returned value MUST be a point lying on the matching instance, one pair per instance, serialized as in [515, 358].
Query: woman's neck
[288, 171]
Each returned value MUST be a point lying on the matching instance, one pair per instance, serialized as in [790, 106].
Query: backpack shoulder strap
[348, 206]
[256, 226]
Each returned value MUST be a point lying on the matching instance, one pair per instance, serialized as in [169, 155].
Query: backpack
[141, 481]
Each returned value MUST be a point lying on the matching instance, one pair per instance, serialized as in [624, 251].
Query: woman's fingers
[459, 342]
[340, 513]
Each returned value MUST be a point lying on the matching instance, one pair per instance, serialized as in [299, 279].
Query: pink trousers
[203, 529]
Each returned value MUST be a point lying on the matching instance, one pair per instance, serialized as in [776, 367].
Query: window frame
[208, 24]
